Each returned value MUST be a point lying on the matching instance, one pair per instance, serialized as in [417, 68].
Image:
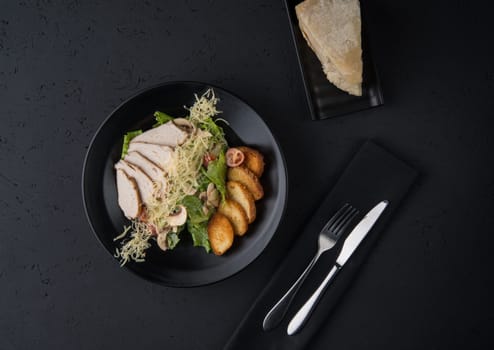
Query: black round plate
[186, 265]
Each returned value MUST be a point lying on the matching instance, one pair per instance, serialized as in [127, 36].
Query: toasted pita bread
[254, 160]
[248, 179]
[220, 233]
[236, 214]
[240, 194]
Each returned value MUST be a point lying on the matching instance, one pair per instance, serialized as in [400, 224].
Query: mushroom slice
[213, 196]
[129, 199]
[167, 134]
[178, 218]
[185, 125]
[161, 240]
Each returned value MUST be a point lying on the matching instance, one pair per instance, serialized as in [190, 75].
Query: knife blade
[349, 246]
[359, 232]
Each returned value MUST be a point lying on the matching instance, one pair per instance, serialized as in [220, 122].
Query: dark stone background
[64, 65]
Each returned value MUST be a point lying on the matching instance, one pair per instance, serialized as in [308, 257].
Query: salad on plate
[181, 177]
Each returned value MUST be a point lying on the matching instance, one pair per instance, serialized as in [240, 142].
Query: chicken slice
[152, 170]
[129, 199]
[167, 134]
[159, 155]
[143, 181]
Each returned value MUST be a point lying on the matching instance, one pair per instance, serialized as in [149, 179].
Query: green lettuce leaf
[161, 118]
[199, 233]
[172, 240]
[195, 213]
[216, 173]
[126, 140]
[203, 181]
[216, 131]
[197, 222]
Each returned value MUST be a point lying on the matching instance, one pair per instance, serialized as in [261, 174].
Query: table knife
[349, 246]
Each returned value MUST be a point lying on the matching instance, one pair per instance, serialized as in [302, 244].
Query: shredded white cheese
[135, 248]
[182, 177]
[182, 180]
[204, 107]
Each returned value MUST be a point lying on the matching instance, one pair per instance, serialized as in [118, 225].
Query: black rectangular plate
[325, 99]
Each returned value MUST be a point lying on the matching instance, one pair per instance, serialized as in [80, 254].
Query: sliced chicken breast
[143, 181]
[167, 134]
[152, 170]
[129, 199]
[159, 155]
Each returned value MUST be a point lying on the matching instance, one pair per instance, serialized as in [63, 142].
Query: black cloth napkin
[373, 175]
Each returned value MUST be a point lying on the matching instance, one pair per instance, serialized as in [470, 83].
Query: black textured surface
[64, 65]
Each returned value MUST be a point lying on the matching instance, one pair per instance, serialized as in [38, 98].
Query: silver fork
[327, 239]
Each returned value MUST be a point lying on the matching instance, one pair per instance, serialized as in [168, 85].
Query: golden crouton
[240, 194]
[220, 233]
[248, 179]
[254, 161]
[236, 214]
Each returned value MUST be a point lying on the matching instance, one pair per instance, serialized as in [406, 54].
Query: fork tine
[342, 217]
[337, 215]
[344, 224]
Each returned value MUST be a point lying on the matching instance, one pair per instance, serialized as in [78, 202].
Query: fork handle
[305, 311]
[278, 311]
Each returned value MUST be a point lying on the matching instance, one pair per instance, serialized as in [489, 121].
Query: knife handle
[277, 312]
[305, 311]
